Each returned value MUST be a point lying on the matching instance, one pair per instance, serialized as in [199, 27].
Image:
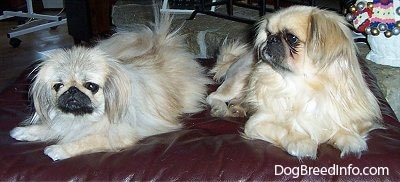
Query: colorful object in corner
[362, 15]
[375, 17]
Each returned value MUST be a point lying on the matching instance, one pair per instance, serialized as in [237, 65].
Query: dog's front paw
[25, 134]
[219, 111]
[350, 144]
[57, 152]
[236, 110]
[303, 148]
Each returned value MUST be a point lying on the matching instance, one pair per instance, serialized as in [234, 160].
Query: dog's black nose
[273, 39]
[72, 90]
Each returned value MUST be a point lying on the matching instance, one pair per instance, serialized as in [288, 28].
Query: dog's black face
[278, 49]
[74, 101]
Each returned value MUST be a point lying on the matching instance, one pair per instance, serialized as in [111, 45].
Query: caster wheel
[15, 42]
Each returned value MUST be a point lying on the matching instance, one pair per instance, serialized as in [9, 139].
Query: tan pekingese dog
[301, 84]
[106, 98]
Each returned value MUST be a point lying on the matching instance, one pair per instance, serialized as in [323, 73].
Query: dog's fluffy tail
[162, 23]
[229, 54]
[143, 38]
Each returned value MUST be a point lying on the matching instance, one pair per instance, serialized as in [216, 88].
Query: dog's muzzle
[75, 102]
[272, 52]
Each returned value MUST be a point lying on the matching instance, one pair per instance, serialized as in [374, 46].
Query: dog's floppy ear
[332, 48]
[329, 37]
[116, 91]
[41, 94]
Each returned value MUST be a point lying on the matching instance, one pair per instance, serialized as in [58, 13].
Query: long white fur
[147, 79]
[323, 99]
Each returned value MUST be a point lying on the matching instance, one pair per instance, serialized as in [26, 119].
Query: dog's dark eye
[92, 87]
[292, 40]
[57, 86]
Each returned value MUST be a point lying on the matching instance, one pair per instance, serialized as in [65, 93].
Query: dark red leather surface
[207, 149]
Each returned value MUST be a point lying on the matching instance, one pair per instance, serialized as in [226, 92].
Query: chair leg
[262, 10]
[229, 7]
[276, 4]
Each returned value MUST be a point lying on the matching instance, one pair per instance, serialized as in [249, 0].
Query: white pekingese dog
[301, 84]
[106, 98]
